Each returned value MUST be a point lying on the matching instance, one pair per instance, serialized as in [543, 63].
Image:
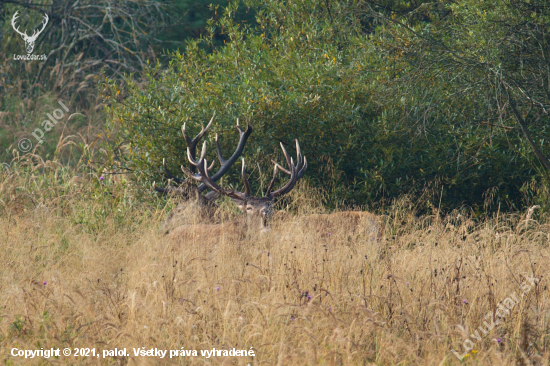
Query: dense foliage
[485, 65]
[384, 97]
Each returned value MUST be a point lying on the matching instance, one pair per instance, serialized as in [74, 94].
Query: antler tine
[207, 181]
[211, 165]
[299, 174]
[219, 151]
[191, 149]
[195, 140]
[285, 153]
[303, 170]
[300, 167]
[245, 181]
[192, 142]
[280, 167]
[192, 158]
[296, 172]
[193, 162]
[299, 155]
[284, 189]
[272, 183]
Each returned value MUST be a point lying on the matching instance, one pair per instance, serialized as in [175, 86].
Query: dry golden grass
[86, 266]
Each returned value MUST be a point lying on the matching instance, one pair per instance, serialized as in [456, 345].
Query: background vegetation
[393, 96]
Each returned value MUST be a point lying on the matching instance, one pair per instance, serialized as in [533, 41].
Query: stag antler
[296, 172]
[191, 145]
[191, 154]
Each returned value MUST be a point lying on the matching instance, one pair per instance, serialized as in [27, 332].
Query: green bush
[371, 126]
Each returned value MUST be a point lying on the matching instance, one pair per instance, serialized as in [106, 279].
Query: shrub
[370, 125]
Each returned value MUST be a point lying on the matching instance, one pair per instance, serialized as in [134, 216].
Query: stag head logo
[29, 40]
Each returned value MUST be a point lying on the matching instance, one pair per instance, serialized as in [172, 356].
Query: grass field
[84, 265]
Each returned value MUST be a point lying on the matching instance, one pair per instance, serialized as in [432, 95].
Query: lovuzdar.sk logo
[29, 40]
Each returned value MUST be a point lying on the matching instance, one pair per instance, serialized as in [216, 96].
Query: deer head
[187, 190]
[29, 40]
[258, 209]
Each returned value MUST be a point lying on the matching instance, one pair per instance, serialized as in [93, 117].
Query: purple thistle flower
[308, 296]
[330, 308]
[329, 234]
[44, 283]
[464, 301]
[101, 178]
[218, 288]
[292, 318]
[499, 340]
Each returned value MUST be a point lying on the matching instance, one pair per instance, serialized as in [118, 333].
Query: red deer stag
[258, 209]
[191, 194]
